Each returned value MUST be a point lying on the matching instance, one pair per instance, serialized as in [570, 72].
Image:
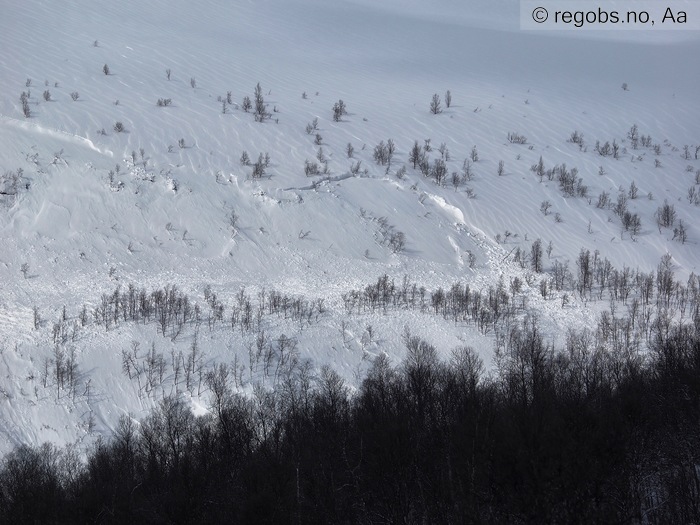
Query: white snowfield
[71, 232]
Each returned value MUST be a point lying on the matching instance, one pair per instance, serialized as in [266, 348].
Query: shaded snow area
[122, 131]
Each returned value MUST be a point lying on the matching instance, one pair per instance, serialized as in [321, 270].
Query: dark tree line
[646, 296]
[574, 435]
[172, 310]
[649, 299]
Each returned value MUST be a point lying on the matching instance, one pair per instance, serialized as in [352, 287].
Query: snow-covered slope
[164, 215]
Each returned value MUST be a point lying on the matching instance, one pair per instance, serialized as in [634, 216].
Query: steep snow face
[94, 208]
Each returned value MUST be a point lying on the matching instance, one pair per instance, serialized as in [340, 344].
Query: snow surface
[81, 235]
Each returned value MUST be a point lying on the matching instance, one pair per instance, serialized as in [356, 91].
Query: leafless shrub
[515, 138]
[680, 233]
[397, 242]
[576, 138]
[312, 126]
[666, 215]
[435, 105]
[339, 110]
[311, 168]
[24, 98]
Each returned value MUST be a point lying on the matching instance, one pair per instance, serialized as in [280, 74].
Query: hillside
[163, 199]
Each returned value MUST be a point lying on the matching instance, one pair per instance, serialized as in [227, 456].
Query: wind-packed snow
[165, 218]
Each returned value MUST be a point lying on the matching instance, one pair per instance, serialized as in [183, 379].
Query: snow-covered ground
[163, 216]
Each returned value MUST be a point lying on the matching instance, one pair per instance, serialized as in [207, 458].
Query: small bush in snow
[666, 215]
[474, 155]
[311, 168]
[444, 152]
[576, 138]
[680, 233]
[435, 105]
[397, 242]
[439, 171]
[416, 155]
[339, 110]
[631, 222]
[261, 112]
[24, 98]
[260, 166]
[633, 192]
[383, 153]
[633, 135]
[312, 126]
[321, 156]
[515, 138]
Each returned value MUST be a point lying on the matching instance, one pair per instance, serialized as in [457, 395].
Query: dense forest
[578, 434]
